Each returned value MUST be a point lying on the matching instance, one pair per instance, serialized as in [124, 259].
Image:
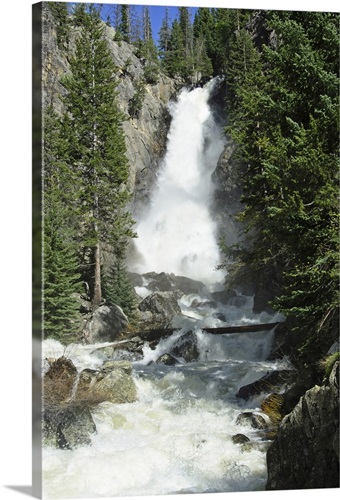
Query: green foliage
[329, 362]
[61, 276]
[164, 35]
[123, 23]
[283, 114]
[119, 290]
[61, 16]
[86, 170]
[96, 147]
[136, 102]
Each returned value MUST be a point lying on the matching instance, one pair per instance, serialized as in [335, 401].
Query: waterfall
[178, 235]
[179, 435]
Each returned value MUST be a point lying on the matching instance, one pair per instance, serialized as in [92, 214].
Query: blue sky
[156, 13]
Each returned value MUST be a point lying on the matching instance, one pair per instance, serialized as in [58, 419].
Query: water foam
[179, 235]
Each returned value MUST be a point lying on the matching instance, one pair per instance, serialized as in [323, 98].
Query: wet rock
[69, 398]
[187, 285]
[224, 296]
[107, 323]
[262, 298]
[163, 307]
[254, 419]
[255, 445]
[130, 350]
[112, 383]
[240, 439]
[171, 282]
[271, 382]
[135, 279]
[305, 452]
[203, 303]
[161, 282]
[69, 427]
[59, 381]
[186, 347]
[238, 301]
[75, 428]
[280, 346]
[167, 359]
[220, 316]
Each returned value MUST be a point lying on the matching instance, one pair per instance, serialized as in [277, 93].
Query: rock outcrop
[106, 324]
[305, 452]
[160, 309]
[70, 397]
[145, 132]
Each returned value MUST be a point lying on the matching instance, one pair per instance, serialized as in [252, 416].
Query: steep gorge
[146, 135]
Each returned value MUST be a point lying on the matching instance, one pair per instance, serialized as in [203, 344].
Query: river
[178, 436]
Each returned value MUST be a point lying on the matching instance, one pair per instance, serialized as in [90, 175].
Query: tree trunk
[97, 293]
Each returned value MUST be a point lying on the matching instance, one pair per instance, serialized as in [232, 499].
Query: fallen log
[159, 333]
[241, 328]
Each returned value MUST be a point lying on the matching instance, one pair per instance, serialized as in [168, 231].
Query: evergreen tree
[124, 27]
[92, 124]
[118, 288]
[61, 276]
[284, 117]
[164, 34]
[61, 16]
[148, 51]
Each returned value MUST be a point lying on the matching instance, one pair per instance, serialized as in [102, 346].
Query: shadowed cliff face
[145, 133]
[305, 453]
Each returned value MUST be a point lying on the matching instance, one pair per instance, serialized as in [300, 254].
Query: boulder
[186, 347]
[240, 439]
[112, 383]
[255, 420]
[187, 285]
[272, 381]
[59, 381]
[129, 350]
[107, 322]
[69, 427]
[161, 282]
[163, 306]
[224, 296]
[203, 303]
[69, 398]
[305, 452]
[167, 359]
[165, 282]
[220, 316]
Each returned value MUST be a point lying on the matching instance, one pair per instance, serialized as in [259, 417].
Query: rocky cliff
[145, 131]
[305, 453]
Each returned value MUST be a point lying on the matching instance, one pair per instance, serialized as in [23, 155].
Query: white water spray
[178, 234]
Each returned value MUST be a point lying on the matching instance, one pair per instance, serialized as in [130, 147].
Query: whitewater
[178, 436]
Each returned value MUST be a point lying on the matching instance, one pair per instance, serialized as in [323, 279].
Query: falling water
[178, 436]
[179, 235]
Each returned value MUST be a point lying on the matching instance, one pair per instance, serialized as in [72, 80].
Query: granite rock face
[305, 452]
[145, 134]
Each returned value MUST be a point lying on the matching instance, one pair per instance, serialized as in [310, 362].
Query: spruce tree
[92, 124]
[117, 288]
[60, 14]
[284, 117]
[164, 35]
[61, 276]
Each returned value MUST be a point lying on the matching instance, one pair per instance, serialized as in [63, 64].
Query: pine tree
[61, 276]
[96, 149]
[118, 288]
[61, 16]
[148, 51]
[164, 34]
[283, 115]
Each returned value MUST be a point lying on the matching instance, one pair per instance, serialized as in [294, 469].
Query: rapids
[177, 437]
